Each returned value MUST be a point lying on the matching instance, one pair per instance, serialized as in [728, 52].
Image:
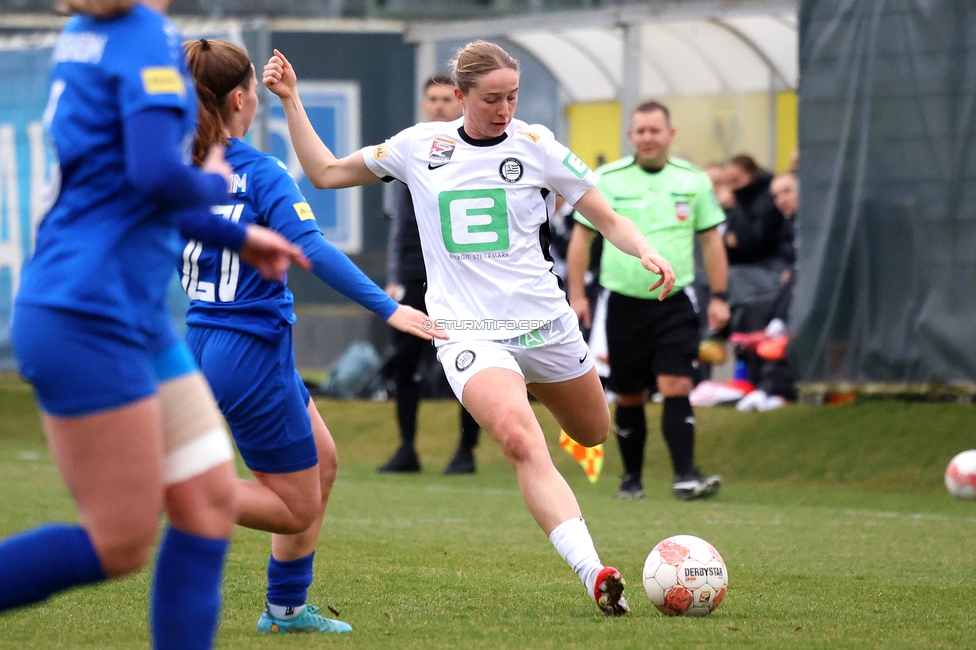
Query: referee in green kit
[652, 341]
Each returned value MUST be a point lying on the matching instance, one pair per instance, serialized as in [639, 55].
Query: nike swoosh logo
[433, 166]
[583, 358]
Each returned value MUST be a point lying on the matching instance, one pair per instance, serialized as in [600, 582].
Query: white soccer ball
[685, 576]
[960, 475]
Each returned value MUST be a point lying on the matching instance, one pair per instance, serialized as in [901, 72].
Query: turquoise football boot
[307, 622]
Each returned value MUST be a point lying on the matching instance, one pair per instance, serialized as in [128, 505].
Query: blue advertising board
[24, 168]
[333, 109]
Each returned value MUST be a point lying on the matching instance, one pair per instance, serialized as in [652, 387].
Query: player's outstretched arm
[323, 169]
[622, 233]
[333, 267]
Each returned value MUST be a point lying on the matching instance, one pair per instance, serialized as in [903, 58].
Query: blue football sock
[288, 582]
[186, 591]
[38, 563]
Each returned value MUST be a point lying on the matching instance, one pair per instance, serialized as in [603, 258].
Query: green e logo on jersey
[474, 221]
[575, 165]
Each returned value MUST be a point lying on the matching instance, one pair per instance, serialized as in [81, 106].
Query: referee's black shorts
[647, 338]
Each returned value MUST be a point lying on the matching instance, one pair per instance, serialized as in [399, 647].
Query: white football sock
[573, 542]
[285, 613]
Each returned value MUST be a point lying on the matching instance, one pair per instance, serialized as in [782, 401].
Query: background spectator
[754, 243]
[766, 351]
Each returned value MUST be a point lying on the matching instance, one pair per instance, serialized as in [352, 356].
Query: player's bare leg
[297, 499]
[292, 547]
[579, 406]
[111, 462]
[497, 399]
[286, 504]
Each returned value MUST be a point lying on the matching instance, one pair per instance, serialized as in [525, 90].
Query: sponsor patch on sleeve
[163, 80]
[304, 211]
[534, 137]
[575, 165]
[380, 151]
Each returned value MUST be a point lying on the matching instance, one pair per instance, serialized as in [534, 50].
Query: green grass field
[834, 523]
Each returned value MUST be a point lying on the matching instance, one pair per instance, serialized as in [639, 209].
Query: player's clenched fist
[279, 76]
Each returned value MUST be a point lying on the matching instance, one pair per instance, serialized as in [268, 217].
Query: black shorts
[647, 338]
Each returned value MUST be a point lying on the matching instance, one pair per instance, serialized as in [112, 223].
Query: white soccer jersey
[483, 209]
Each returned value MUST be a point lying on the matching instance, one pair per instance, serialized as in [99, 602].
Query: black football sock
[469, 430]
[678, 428]
[631, 431]
[407, 403]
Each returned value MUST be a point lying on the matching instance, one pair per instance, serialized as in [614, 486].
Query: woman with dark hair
[239, 330]
[130, 421]
[483, 187]
[753, 221]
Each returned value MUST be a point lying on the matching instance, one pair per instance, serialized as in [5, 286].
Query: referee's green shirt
[669, 207]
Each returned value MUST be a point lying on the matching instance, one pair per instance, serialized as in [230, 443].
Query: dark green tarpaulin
[887, 229]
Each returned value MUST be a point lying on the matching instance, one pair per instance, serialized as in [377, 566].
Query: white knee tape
[197, 456]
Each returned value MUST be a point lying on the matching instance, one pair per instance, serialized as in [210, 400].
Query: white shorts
[543, 356]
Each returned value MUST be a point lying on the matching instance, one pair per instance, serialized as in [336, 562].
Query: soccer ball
[685, 576]
[960, 475]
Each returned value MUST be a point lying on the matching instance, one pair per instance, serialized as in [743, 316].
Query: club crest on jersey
[511, 170]
[441, 150]
[464, 360]
[681, 210]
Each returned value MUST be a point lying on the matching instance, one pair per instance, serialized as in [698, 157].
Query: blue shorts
[261, 396]
[81, 364]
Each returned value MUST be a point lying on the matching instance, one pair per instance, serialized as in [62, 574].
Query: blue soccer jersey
[103, 248]
[225, 293]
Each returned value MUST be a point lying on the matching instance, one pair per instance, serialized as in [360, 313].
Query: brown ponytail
[218, 67]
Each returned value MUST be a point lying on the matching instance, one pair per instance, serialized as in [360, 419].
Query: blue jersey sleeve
[330, 265]
[153, 165]
[150, 68]
[282, 202]
[202, 225]
[288, 213]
